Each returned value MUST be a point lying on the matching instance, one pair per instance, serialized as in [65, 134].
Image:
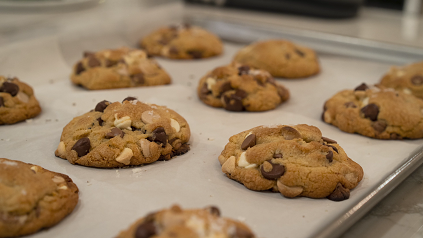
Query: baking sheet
[111, 199]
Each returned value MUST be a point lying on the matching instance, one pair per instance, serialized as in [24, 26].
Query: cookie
[293, 160]
[193, 223]
[17, 101]
[280, 58]
[239, 88]
[376, 112]
[119, 68]
[408, 79]
[122, 134]
[182, 42]
[32, 198]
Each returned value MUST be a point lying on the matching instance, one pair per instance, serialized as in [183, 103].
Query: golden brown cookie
[193, 223]
[376, 112]
[119, 68]
[408, 79]
[121, 134]
[293, 160]
[17, 101]
[239, 88]
[280, 58]
[182, 42]
[32, 198]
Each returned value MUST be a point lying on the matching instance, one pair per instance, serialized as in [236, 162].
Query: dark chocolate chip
[79, 68]
[278, 156]
[361, 87]
[417, 80]
[1, 102]
[339, 194]
[329, 156]
[145, 230]
[225, 87]
[138, 79]
[93, 61]
[88, 53]
[129, 99]
[290, 133]
[350, 105]
[328, 140]
[196, 54]
[101, 106]
[250, 141]
[115, 132]
[333, 147]
[233, 103]
[100, 121]
[159, 136]
[287, 56]
[182, 150]
[214, 210]
[204, 91]
[173, 50]
[242, 233]
[395, 136]
[9, 88]
[299, 52]
[110, 63]
[277, 171]
[82, 146]
[370, 111]
[379, 126]
[243, 69]
[240, 94]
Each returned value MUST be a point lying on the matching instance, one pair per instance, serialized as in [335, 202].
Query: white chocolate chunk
[63, 187]
[145, 147]
[210, 82]
[22, 97]
[251, 166]
[61, 149]
[365, 101]
[229, 165]
[58, 179]
[123, 71]
[22, 219]
[175, 125]
[351, 177]
[400, 73]
[35, 168]
[123, 122]
[407, 91]
[10, 163]
[197, 224]
[125, 156]
[289, 191]
[149, 117]
[242, 162]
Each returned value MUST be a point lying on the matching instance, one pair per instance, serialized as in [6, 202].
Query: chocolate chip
[276, 172]
[242, 233]
[138, 79]
[196, 54]
[214, 211]
[204, 91]
[233, 103]
[145, 230]
[379, 126]
[350, 105]
[79, 68]
[173, 50]
[290, 133]
[287, 56]
[300, 53]
[100, 121]
[129, 99]
[370, 111]
[328, 140]
[9, 88]
[395, 136]
[159, 136]
[225, 87]
[82, 146]
[115, 132]
[339, 194]
[243, 69]
[110, 63]
[88, 53]
[278, 155]
[333, 147]
[249, 141]
[361, 87]
[329, 156]
[1, 102]
[417, 80]
[93, 61]
[101, 106]
[182, 150]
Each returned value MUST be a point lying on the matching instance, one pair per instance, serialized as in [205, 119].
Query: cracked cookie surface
[32, 198]
[293, 160]
[118, 68]
[17, 101]
[121, 134]
[376, 112]
[182, 42]
[280, 58]
[188, 223]
[408, 79]
[241, 88]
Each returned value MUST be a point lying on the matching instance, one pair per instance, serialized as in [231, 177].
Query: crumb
[191, 76]
[210, 139]
[48, 120]
[73, 104]
[189, 98]
[56, 120]
[51, 81]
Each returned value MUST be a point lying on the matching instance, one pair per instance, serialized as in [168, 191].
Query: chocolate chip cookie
[178, 223]
[241, 88]
[118, 68]
[32, 198]
[293, 160]
[280, 58]
[17, 101]
[182, 42]
[376, 112]
[121, 134]
[408, 79]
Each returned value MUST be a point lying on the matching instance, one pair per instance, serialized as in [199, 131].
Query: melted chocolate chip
[159, 136]
[242, 233]
[115, 132]
[333, 147]
[129, 99]
[1, 102]
[350, 105]
[204, 91]
[249, 141]
[225, 87]
[328, 140]
[82, 146]
[240, 94]
[101, 106]
[88, 53]
[79, 68]
[339, 194]
[379, 126]
[9, 88]
[417, 80]
[138, 79]
[214, 211]
[278, 155]
[329, 156]
[100, 121]
[182, 150]
[93, 61]
[243, 69]
[196, 54]
[276, 172]
[370, 111]
[361, 87]
[110, 63]
[145, 230]
[290, 133]
[299, 52]
[233, 103]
